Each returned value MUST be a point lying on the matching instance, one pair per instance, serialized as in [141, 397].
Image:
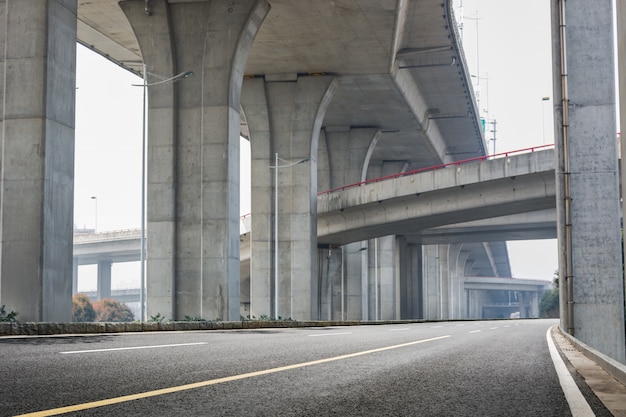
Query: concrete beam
[473, 191]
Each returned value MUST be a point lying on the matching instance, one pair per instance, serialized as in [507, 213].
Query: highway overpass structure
[498, 190]
[356, 88]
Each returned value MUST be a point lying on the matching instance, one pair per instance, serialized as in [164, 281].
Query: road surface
[483, 368]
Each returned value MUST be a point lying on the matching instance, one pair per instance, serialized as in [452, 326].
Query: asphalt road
[500, 368]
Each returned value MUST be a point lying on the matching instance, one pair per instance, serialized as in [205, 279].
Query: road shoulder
[609, 390]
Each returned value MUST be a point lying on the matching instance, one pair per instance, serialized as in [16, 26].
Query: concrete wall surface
[38, 64]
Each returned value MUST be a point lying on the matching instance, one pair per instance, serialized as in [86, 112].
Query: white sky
[513, 54]
[514, 66]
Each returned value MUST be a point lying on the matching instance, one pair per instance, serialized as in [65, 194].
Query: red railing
[436, 167]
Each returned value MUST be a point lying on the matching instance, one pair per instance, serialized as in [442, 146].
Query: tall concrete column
[356, 280]
[255, 106]
[285, 116]
[444, 281]
[457, 295]
[38, 68]
[193, 150]
[74, 275]
[331, 284]
[524, 304]
[534, 304]
[104, 279]
[587, 176]
[349, 152]
[432, 282]
[417, 282]
[409, 279]
[388, 280]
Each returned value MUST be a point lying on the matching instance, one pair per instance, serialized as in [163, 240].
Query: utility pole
[494, 131]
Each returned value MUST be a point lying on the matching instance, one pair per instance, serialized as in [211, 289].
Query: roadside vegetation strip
[147, 394]
[577, 403]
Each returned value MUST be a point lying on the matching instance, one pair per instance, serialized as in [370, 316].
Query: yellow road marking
[125, 398]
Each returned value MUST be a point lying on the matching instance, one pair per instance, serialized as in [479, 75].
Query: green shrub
[10, 317]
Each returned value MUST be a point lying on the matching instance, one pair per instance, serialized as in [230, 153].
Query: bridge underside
[380, 81]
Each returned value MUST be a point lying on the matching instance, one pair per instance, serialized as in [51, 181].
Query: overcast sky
[507, 47]
[507, 44]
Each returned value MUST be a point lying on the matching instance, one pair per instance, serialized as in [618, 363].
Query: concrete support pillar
[409, 279]
[373, 281]
[587, 176]
[416, 274]
[444, 281]
[431, 282]
[330, 284]
[404, 277]
[37, 89]
[388, 278]
[104, 279]
[534, 304]
[193, 151]
[74, 275]
[349, 152]
[522, 304]
[453, 252]
[356, 280]
[459, 303]
[474, 304]
[284, 115]
[383, 280]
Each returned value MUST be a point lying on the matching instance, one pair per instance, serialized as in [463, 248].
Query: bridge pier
[38, 57]
[284, 115]
[193, 151]
[349, 151]
[104, 279]
[588, 206]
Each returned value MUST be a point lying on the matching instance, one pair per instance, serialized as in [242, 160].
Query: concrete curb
[47, 329]
[614, 368]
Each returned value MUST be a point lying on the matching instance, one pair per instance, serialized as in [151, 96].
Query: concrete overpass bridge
[358, 88]
[484, 175]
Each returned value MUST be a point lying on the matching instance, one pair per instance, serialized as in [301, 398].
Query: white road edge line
[475, 331]
[132, 348]
[577, 403]
[328, 334]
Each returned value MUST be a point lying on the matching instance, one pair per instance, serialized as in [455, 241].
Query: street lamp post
[142, 244]
[543, 119]
[95, 220]
[276, 167]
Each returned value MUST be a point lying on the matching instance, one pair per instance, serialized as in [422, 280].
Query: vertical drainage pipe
[567, 199]
[376, 279]
[343, 254]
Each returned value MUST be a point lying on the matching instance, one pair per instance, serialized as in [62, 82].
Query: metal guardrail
[130, 234]
[440, 166]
